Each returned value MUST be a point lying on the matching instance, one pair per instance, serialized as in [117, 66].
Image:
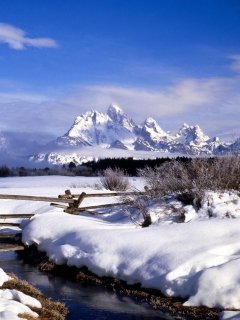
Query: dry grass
[50, 310]
[26, 316]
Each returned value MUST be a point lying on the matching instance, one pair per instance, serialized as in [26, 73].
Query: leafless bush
[114, 180]
[138, 206]
[226, 173]
[188, 182]
[172, 178]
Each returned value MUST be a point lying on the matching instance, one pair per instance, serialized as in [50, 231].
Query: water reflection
[85, 302]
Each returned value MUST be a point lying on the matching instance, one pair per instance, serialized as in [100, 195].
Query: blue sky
[174, 60]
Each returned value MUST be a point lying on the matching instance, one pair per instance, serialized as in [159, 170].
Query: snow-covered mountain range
[114, 130]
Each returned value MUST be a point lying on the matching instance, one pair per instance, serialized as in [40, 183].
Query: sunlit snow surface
[198, 260]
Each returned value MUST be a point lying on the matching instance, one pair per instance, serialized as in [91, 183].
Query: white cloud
[16, 38]
[184, 96]
[212, 103]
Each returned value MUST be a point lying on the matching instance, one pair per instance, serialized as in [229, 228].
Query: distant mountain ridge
[115, 130]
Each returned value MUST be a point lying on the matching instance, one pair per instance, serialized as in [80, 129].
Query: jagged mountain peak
[151, 124]
[88, 118]
[120, 118]
[97, 128]
[116, 113]
[184, 126]
[151, 136]
[114, 109]
[192, 134]
[150, 121]
[92, 115]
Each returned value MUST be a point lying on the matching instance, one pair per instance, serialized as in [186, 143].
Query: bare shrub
[172, 179]
[189, 182]
[139, 205]
[114, 180]
[226, 173]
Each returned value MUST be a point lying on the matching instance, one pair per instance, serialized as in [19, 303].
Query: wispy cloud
[22, 97]
[213, 103]
[16, 38]
[185, 95]
[235, 65]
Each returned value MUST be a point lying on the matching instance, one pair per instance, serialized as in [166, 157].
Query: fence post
[68, 193]
[80, 199]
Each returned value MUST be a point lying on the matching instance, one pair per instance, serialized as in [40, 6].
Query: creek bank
[151, 296]
[49, 309]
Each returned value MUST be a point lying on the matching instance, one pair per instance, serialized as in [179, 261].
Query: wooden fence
[75, 208]
[70, 203]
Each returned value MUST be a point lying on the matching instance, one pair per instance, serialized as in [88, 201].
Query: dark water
[85, 302]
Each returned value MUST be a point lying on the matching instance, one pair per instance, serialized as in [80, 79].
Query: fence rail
[16, 216]
[11, 247]
[34, 198]
[72, 201]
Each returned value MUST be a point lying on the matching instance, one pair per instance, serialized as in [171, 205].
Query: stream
[84, 302]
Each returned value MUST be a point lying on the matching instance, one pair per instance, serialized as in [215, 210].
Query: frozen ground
[198, 260]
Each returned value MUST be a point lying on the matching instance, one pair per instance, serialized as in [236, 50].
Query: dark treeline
[129, 165]
[65, 170]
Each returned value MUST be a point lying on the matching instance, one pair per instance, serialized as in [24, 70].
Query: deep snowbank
[198, 261]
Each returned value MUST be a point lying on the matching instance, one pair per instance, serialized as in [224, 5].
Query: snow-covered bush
[189, 182]
[172, 179]
[114, 180]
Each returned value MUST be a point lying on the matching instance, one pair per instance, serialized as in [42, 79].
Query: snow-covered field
[198, 260]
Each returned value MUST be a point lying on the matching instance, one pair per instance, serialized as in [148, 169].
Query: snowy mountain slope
[61, 158]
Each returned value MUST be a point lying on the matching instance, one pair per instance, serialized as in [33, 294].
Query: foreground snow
[198, 260]
[14, 302]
